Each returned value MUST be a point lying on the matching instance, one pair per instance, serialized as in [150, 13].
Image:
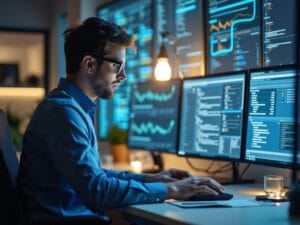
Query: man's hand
[167, 176]
[186, 188]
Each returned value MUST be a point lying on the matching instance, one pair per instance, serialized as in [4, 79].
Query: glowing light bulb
[163, 70]
[136, 166]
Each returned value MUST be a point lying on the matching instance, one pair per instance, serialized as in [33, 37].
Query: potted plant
[14, 128]
[117, 139]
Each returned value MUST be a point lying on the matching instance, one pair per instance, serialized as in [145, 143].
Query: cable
[199, 169]
[244, 171]
[223, 171]
[220, 170]
[209, 170]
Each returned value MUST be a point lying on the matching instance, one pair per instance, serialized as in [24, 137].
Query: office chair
[10, 205]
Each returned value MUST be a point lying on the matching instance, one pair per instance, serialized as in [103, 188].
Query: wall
[25, 14]
[58, 7]
[35, 59]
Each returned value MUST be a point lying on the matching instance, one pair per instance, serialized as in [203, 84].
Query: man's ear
[88, 64]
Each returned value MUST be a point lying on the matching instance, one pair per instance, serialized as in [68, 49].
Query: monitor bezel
[218, 158]
[150, 82]
[263, 162]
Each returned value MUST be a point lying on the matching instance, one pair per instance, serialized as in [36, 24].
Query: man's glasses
[116, 64]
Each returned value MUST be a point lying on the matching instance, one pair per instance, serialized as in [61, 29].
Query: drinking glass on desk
[273, 185]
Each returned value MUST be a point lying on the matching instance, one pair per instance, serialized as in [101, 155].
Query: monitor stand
[236, 178]
[158, 164]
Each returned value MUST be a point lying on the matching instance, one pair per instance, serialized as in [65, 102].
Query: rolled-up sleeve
[76, 160]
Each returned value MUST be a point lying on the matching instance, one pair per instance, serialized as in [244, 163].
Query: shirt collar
[84, 101]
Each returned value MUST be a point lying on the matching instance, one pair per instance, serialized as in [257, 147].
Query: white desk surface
[164, 213]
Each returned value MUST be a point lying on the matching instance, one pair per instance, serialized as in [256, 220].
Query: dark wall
[25, 13]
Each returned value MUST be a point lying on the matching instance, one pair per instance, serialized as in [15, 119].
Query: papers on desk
[229, 203]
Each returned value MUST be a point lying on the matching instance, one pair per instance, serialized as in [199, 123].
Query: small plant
[117, 138]
[14, 125]
[117, 135]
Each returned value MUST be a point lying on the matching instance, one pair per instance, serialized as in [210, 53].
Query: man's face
[109, 73]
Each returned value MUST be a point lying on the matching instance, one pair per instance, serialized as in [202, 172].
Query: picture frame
[9, 74]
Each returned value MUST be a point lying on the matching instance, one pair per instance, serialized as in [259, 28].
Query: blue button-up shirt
[60, 171]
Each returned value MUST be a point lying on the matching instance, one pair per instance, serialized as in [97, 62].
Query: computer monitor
[270, 117]
[212, 117]
[153, 123]
[279, 32]
[233, 35]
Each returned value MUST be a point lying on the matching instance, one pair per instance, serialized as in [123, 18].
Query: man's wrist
[172, 190]
[149, 177]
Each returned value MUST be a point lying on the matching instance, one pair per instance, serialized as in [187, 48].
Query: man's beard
[102, 89]
[105, 93]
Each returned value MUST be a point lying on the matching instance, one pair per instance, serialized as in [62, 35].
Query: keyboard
[220, 197]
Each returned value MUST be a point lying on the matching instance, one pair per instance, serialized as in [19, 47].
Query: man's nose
[122, 75]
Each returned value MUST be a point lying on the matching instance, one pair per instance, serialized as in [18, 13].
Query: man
[60, 172]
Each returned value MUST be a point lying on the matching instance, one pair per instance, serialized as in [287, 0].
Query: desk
[164, 213]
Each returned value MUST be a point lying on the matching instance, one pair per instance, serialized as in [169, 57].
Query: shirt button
[157, 199]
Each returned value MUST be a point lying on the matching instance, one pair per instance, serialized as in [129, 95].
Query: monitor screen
[154, 116]
[270, 126]
[233, 35]
[279, 32]
[212, 117]
[136, 17]
[185, 21]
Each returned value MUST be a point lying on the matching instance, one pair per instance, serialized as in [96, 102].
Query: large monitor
[233, 35]
[136, 17]
[271, 124]
[185, 21]
[212, 117]
[279, 32]
[154, 116]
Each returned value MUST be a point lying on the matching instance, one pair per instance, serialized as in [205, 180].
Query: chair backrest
[10, 211]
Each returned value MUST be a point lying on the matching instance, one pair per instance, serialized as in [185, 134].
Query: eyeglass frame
[120, 64]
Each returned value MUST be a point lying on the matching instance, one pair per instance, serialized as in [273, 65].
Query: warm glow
[22, 92]
[136, 166]
[162, 70]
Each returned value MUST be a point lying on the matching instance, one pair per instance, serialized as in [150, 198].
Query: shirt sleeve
[124, 175]
[76, 161]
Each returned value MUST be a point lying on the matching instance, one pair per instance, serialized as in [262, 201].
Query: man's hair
[93, 37]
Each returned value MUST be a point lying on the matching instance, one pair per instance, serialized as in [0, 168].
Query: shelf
[22, 92]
